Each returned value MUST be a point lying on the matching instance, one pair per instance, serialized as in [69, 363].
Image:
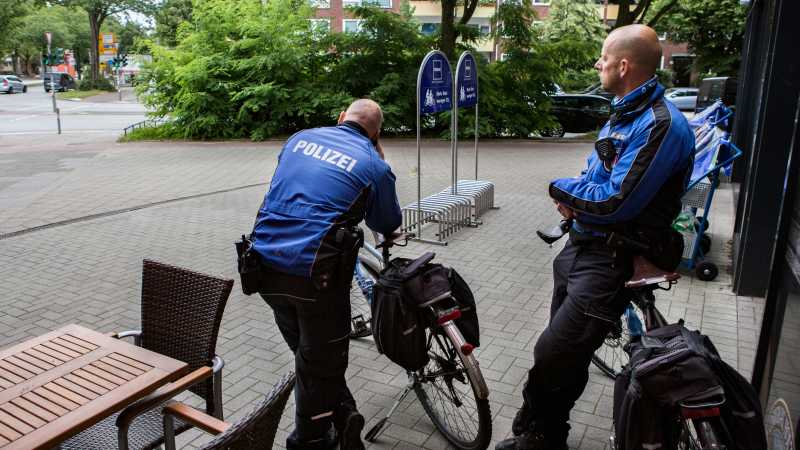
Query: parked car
[597, 89]
[11, 84]
[62, 81]
[713, 89]
[684, 98]
[577, 113]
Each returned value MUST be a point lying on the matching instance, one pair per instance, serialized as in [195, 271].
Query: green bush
[102, 84]
[150, 133]
[244, 69]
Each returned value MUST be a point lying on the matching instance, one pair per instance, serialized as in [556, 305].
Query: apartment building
[331, 15]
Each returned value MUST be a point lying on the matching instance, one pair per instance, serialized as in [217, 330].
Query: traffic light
[124, 60]
[58, 58]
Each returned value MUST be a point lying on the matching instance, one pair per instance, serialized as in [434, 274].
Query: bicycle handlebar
[394, 239]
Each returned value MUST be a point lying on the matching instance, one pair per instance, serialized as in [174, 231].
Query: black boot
[529, 440]
[349, 426]
[326, 442]
[523, 420]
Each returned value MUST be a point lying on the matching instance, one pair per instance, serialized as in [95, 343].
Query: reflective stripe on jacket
[325, 176]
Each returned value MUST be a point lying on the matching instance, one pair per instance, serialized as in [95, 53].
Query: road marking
[28, 133]
[125, 210]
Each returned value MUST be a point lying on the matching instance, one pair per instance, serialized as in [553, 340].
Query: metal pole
[419, 157]
[454, 133]
[476, 141]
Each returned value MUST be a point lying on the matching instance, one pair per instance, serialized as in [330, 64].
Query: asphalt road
[32, 113]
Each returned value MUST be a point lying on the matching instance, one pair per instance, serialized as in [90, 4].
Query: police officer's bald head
[367, 113]
[630, 56]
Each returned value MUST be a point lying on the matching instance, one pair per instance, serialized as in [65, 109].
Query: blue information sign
[435, 84]
[467, 82]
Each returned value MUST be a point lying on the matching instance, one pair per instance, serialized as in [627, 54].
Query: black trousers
[316, 326]
[587, 301]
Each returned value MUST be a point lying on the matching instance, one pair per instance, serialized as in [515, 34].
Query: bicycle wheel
[365, 276]
[703, 434]
[448, 389]
[611, 356]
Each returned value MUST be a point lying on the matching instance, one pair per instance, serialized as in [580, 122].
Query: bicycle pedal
[373, 432]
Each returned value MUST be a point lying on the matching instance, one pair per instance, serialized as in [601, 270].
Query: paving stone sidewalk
[185, 204]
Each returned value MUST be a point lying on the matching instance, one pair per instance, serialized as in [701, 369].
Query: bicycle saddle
[646, 273]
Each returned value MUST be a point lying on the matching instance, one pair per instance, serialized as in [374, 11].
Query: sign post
[49, 36]
[434, 94]
[466, 91]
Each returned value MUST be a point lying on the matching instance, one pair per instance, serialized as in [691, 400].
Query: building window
[380, 3]
[321, 3]
[320, 25]
[352, 25]
[503, 56]
[540, 2]
[483, 30]
[429, 29]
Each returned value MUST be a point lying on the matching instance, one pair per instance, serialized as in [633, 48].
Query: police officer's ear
[341, 117]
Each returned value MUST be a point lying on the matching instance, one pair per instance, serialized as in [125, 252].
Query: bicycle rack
[480, 193]
[451, 213]
[464, 201]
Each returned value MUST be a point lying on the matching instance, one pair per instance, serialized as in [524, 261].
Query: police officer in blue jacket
[327, 181]
[633, 187]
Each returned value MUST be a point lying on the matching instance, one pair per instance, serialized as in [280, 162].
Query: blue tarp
[711, 140]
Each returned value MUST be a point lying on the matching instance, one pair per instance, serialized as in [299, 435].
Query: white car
[683, 98]
[11, 84]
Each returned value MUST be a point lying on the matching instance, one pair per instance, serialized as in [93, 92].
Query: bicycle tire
[464, 371]
[611, 356]
[704, 434]
[360, 310]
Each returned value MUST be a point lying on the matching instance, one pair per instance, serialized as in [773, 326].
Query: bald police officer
[327, 181]
[634, 189]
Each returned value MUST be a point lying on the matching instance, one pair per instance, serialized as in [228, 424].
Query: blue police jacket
[643, 188]
[326, 178]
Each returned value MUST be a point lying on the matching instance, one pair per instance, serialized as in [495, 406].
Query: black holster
[335, 260]
[249, 265]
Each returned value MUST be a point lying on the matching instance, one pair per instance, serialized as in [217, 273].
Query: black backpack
[670, 365]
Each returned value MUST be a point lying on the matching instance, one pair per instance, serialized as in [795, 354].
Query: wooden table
[56, 385]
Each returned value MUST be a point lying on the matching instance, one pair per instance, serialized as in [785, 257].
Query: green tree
[574, 35]
[714, 30]
[127, 34]
[648, 12]
[454, 26]
[98, 11]
[10, 18]
[28, 36]
[247, 69]
[381, 63]
[513, 98]
[170, 15]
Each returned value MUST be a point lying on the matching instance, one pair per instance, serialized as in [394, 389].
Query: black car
[61, 81]
[577, 113]
[597, 89]
[713, 89]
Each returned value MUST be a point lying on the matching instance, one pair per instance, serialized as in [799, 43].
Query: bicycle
[701, 424]
[450, 387]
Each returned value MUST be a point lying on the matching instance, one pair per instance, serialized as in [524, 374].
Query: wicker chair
[181, 315]
[256, 431]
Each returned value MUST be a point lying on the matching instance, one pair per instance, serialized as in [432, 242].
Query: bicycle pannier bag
[397, 324]
[468, 323]
[670, 365]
